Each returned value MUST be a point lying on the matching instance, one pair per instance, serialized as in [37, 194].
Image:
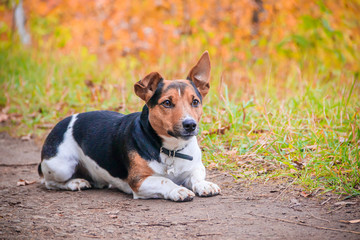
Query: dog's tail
[40, 171]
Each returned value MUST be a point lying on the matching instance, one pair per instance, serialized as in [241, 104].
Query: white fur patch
[190, 174]
[61, 167]
[178, 169]
[172, 143]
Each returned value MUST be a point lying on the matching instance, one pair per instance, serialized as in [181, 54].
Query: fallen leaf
[344, 203]
[355, 221]
[23, 182]
[219, 131]
[205, 132]
[351, 221]
[26, 137]
[305, 194]
[212, 165]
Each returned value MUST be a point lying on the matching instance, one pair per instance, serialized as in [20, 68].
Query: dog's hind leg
[58, 173]
[60, 158]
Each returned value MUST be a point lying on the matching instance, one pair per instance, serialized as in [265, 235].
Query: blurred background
[284, 94]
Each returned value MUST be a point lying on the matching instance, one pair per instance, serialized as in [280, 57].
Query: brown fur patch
[139, 170]
[200, 74]
[164, 119]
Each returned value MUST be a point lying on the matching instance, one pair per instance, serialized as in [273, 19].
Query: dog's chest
[177, 169]
[171, 167]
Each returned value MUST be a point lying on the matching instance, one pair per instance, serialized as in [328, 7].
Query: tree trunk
[20, 19]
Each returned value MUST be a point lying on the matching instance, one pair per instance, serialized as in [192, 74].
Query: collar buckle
[175, 153]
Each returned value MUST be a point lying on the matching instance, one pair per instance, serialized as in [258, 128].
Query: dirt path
[243, 211]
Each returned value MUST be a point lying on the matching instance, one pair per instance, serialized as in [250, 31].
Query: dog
[150, 154]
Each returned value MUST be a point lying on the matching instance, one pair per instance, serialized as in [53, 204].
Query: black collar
[176, 153]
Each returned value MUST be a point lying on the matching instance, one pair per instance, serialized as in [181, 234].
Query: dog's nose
[189, 125]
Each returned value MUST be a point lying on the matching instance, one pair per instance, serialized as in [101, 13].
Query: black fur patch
[146, 140]
[158, 93]
[54, 139]
[95, 133]
[108, 137]
[196, 90]
[176, 85]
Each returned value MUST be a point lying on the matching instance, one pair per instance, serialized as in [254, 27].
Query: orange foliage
[152, 28]
[114, 28]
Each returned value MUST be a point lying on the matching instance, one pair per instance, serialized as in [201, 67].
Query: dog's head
[175, 107]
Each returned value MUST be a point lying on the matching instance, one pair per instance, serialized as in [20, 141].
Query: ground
[274, 210]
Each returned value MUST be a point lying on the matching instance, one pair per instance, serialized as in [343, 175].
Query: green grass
[301, 123]
[312, 136]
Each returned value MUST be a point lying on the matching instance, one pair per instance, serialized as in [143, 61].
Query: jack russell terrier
[151, 154]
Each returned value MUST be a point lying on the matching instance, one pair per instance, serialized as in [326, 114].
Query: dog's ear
[200, 74]
[146, 87]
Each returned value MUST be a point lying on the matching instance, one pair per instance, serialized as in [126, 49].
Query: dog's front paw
[181, 194]
[206, 189]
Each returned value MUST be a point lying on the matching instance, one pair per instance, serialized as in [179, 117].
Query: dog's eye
[195, 103]
[167, 104]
